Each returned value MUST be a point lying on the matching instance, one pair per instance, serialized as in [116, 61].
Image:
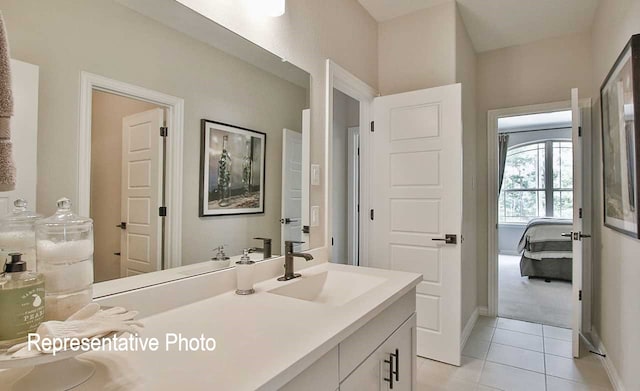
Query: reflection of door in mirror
[291, 188]
[126, 185]
[24, 82]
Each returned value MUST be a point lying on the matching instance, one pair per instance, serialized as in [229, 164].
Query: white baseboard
[614, 378]
[483, 311]
[466, 331]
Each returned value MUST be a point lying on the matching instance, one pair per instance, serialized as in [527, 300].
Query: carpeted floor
[532, 300]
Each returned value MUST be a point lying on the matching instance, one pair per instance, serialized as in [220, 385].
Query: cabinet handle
[390, 378]
[397, 356]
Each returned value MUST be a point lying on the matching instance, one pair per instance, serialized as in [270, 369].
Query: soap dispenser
[244, 273]
[21, 301]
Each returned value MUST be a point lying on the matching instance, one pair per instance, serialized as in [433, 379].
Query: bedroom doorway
[532, 272]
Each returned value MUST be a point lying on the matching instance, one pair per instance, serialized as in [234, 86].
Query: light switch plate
[315, 174]
[315, 216]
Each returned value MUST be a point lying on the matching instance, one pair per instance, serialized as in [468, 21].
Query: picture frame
[620, 124]
[232, 170]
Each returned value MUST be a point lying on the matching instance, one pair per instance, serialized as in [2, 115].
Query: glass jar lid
[64, 216]
[20, 214]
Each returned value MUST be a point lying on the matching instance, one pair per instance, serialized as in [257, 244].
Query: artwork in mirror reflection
[130, 144]
[232, 169]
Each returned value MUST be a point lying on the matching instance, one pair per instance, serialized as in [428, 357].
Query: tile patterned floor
[510, 355]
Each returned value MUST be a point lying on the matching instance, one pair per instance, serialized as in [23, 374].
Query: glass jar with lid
[17, 234]
[64, 251]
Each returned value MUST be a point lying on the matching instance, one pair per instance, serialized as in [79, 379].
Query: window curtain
[503, 144]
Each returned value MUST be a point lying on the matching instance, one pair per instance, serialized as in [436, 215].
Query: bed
[545, 252]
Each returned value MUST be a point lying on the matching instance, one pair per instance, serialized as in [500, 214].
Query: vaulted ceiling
[494, 24]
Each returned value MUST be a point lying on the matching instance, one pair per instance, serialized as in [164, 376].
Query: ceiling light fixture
[271, 7]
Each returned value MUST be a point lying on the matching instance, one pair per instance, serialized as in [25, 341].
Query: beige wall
[616, 312]
[539, 72]
[465, 71]
[418, 50]
[310, 32]
[97, 36]
[107, 112]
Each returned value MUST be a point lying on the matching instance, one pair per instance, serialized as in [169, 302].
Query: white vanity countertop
[263, 340]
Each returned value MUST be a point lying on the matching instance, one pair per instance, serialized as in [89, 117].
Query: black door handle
[397, 356]
[567, 234]
[122, 225]
[448, 239]
[118, 254]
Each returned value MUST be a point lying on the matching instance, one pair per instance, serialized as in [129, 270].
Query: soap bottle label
[21, 311]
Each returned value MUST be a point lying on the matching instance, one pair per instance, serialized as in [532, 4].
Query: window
[528, 192]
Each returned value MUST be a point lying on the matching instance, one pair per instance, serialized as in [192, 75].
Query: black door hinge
[164, 131]
[580, 212]
[358, 208]
[373, 128]
[580, 295]
[332, 241]
[358, 151]
[162, 212]
[371, 214]
[579, 131]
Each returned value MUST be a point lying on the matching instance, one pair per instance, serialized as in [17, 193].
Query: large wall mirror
[142, 108]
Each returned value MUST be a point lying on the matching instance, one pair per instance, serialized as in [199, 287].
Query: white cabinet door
[417, 177]
[394, 362]
[142, 177]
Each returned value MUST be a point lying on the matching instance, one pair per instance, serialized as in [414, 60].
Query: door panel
[417, 174]
[141, 193]
[578, 241]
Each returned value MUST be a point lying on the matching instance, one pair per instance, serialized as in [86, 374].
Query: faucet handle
[266, 240]
[293, 242]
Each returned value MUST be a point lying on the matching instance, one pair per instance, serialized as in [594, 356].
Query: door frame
[353, 194]
[174, 119]
[492, 197]
[345, 82]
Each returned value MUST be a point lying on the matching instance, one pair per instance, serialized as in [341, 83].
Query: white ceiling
[494, 24]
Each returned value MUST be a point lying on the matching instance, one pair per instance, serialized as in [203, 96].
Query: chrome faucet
[288, 260]
[265, 250]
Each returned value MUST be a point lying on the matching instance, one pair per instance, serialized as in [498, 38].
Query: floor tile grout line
[513, 366]
[518, 347]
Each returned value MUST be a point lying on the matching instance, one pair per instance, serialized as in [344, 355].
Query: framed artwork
[620, 105]
[232, 170]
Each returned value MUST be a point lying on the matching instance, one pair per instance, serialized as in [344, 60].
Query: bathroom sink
[331, 287]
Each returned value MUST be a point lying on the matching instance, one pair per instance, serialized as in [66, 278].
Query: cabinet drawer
[358, 346]
[394, 362]
[320, 376]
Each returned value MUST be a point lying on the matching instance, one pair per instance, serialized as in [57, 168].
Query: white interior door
[417, 177]
[24, 135]
[140, 247]
[291, 222]
[577, 235]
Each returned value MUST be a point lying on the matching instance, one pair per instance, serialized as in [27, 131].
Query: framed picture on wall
[232, 170]
[620, 104]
